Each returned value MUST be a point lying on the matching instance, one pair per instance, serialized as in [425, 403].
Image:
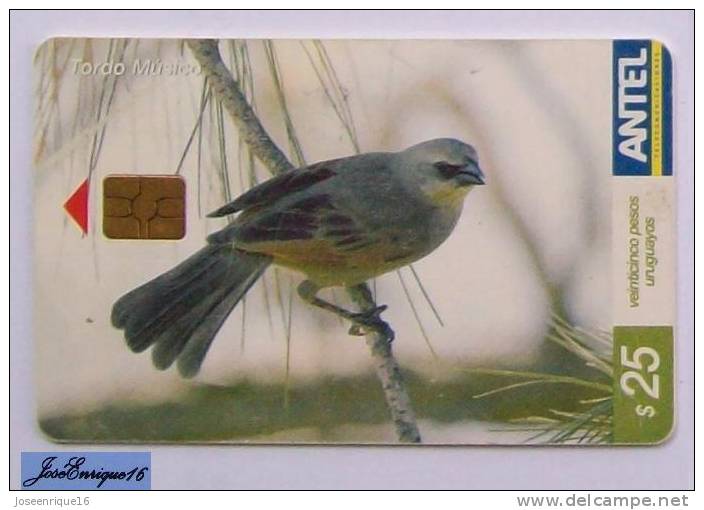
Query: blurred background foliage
[519, 406]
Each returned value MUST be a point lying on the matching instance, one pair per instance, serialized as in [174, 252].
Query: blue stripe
[666, 112]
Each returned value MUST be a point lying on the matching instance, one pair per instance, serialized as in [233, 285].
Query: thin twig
[227, 90]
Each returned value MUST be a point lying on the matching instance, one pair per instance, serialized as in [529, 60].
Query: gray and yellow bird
[338, 222]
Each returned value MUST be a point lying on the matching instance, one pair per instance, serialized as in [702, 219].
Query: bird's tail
[180, 311]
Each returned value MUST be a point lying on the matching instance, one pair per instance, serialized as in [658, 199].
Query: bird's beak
[471, 175]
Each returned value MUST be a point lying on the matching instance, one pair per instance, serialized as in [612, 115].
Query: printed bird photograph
[346, 242]
[340, 223]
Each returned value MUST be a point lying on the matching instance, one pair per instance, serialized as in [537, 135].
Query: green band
[643, 384]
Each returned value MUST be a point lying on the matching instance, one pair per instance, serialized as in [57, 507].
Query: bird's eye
[448, 170]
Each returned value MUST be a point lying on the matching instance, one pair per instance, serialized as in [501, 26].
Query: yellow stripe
[656, 108]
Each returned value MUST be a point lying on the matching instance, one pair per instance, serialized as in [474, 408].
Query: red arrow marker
[77, 206]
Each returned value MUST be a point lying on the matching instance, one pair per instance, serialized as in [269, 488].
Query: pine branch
[227, 90]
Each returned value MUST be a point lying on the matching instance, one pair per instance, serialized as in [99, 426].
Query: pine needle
[204, 98]
[425, 295]
[415, 315]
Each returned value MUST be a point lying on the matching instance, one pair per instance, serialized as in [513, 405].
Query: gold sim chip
[139, 207]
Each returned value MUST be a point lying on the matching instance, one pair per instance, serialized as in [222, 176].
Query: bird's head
[445, 169]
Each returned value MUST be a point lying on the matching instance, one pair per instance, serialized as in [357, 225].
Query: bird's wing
[313, 218]
[280, 186]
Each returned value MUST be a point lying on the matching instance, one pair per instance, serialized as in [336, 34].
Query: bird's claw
[371, 320]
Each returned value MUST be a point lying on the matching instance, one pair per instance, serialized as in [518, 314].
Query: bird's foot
[365, 322]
